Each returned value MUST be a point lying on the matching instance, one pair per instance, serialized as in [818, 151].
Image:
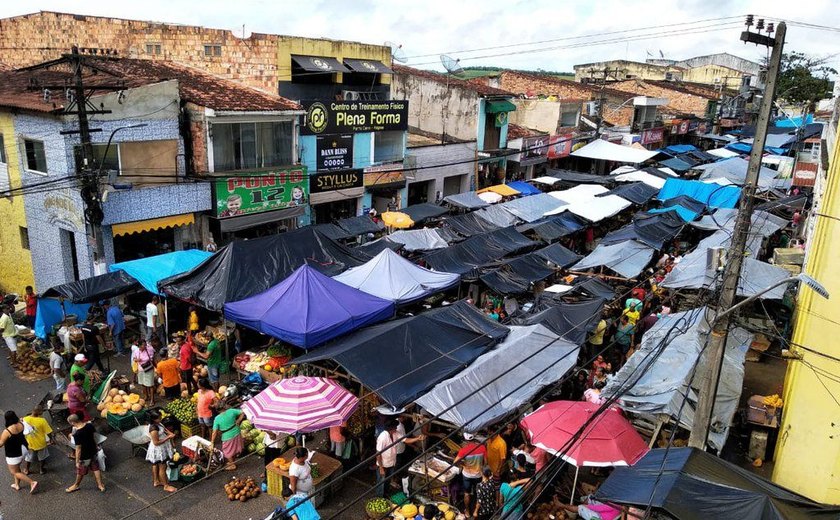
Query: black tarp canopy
[579, 177]
[478, 251]
[551, 228]
[332, 231]
[371, 249]
[558, 254]
[593, 287]
[786, 205]
[360, 225]
[95, 288]
[401, 359]
[516, 276]
[635, 192]
[419, 213]
[687, 202]
[654, 230]
[695, 485]
[469, 224]
[246, 267]
[572, 321]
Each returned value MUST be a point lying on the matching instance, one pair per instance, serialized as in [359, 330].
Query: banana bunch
[773, 400]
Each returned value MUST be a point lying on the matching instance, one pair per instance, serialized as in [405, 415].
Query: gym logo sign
[321, 64]
[317, 118]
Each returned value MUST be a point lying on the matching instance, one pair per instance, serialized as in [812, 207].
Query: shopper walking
[13, 441]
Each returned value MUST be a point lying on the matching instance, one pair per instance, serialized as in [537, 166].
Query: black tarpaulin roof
[654, 230]
[559, 255]
[516, 276]
[558, 226]
[361, 225]
[593, 287]
[478, 251]
[332, 231]
[422, 212]
[469, 224]
[636, 192]
[95, 288]
[693, 484]
[371, 249]
[785, 205]
[401, 359]
[578, 177]
[572, 321]
[247, 267]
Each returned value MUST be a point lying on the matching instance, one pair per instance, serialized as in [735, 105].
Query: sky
[675, 29]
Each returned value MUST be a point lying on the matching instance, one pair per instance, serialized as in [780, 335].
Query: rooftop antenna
[451, 65]
[397, 53]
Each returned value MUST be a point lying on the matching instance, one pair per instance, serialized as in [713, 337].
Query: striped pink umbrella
[300, 405]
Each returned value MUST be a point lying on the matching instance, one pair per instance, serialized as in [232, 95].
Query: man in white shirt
[386, 456]
[152, 318]
[58, 367]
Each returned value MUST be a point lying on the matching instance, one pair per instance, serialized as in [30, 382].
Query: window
[213, 50]
[109, 163]
[388, 146]
[2, 150]
[669, 76]
[242, 146]
[24, 237]
[153, 48]
[36, 159]
[569, 119]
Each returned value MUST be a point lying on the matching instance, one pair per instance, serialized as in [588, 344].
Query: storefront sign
[805, 174]
[559, 146]
[255, 192]
[342, 117]
[334, 152]
[702, 128]
[684, 127]
[693, 125]
[653, 135]
[384, 175]
[320, 182]
[534, 150]
[60, 208]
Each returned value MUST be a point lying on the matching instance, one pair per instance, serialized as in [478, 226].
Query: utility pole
[732, 271]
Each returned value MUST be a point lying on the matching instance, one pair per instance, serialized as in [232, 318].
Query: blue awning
[524, 188]
[149, 271]
[709, 194]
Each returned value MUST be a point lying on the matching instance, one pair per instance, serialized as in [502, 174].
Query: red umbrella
[609, 440]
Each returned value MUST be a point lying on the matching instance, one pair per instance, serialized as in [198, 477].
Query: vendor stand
[325, 470]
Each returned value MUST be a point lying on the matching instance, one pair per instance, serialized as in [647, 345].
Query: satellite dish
[451, 65]
[397, 54]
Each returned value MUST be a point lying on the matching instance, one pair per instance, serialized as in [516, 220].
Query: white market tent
[606, 151]
[532, 208]
[579, 193]
[723, 152]
[418, 239]
[597, 209]
[392, 277]
[551, 181]
[640, 176]
[492, 386]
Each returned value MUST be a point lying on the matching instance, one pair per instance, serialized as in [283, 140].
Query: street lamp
[108, 146]
[801, 277]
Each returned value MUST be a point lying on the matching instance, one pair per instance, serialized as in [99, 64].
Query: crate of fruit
[190, 473]
[189, 430]
[127, 421]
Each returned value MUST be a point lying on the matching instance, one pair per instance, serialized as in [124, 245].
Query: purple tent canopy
[308, 308]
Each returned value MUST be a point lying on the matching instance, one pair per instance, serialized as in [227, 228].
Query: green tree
[804, 79]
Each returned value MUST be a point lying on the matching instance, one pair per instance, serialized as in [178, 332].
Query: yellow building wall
[808, 449]
[288, 45]
[15, 261]
[707, 74]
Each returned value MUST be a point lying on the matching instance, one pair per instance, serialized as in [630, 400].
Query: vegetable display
[184, 410]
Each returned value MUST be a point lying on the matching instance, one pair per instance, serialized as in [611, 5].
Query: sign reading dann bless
[335, 117]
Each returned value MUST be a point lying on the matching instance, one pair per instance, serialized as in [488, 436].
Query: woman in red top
[31, 300]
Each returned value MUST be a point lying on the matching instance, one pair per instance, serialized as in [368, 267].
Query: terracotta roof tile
[516, 131]
[566, 83]
[195, 86]
[476, 86]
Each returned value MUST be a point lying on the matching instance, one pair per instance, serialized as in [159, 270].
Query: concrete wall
[288, 45]
[625, 69]
[678, 102]
[425, 156]
[724, 60]
[437, 108]
[16, 267]
[807, 457]
[716, 75]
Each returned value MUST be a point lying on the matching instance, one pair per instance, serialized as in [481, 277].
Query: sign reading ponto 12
[335, 117]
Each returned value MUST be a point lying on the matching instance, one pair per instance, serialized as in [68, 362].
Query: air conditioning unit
[350, 95]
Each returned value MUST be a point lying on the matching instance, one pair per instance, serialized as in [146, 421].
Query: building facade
[16, 269]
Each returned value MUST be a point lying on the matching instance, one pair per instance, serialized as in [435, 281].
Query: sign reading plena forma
[337, 117]
[255, 192]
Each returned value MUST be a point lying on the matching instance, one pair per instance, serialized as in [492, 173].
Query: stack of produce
[184, 410]
[240, 361]
[377, 507]
[31, 364]
[118, 402]
[242, 489]
[550, 509]
[254, 438]
[256, 362]
[773, 401]
[189, 470]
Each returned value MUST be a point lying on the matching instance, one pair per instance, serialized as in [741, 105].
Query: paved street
[130, 493]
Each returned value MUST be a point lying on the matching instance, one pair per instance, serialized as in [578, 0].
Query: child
[38, 438]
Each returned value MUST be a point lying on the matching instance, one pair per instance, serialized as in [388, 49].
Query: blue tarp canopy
[149, 271]
[676, 149]
[49, 313]
[308, 308]
[402, 359]
[523, 188]
[709, 194]
[686, 207]
[676, 164]
[392, 277]
[793, 122]
[747, 148]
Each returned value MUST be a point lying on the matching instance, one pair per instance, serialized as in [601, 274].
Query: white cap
[469, 436]
[80, 357]
[389, 410]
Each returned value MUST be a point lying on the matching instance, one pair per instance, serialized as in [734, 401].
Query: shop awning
[691, 484]
[469, 224]
[419, 213]
[500, 105]
[516, 276]
[232, 224]
[478, 251]
[308, 309]
[405, 357]
[319, 64]
[141, 226]
[150, 271]
[500, 189]
[370, 66]
[468, 200]
[524, 188]
[628, 259]
[94, 288]
[392, 277]
[492, 386]
[606, 151]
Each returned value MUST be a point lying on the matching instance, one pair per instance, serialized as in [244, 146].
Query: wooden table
[328, 469]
